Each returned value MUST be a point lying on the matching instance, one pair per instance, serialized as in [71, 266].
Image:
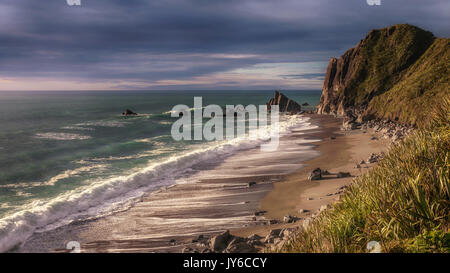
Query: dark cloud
[145, 41]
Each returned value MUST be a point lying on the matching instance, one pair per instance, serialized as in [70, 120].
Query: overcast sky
[190, 44]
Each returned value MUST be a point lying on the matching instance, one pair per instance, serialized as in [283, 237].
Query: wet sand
[170, 219]
[295, 192]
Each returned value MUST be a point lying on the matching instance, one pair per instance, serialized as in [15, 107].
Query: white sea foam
[103, 123]
[79, 128]
[101, 197]
[53, 180]
[61, 136]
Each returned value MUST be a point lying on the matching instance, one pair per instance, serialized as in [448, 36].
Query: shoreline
[296, 196]
[228, 203]
[205, 204]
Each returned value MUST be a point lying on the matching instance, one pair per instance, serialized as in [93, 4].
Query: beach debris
[343, 174]
[252, 183]
[187, 250]
[373, 158]
[362, 162]
[272, 222]
[254, 237]
[350, 122]
[198, 239]
[259, 212]
[128, 112]
[323, 208]
[316, 174]
[325, 172]
[358, 166]
[289, 219]
[332, 137]
[309, 198]
[303, 211]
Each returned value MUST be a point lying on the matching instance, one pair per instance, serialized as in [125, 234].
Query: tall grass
[403, 203]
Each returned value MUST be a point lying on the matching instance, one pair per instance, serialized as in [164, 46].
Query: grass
[396, 73]
[403, 203]
[421, 87]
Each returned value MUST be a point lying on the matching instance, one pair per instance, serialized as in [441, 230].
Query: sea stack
[285, 104]
[128, 112]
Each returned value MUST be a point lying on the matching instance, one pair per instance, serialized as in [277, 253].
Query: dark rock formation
[343, 174]
[378, 78]
[284, 103]
[220, 242]
[316, 174]
[128, 112]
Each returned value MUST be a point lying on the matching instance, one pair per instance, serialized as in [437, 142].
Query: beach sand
[170, 219]
[295, 192]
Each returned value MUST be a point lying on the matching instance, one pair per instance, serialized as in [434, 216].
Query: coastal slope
[394, 73]
[397, 74]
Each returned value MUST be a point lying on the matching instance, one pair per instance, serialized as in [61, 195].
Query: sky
[190, 44]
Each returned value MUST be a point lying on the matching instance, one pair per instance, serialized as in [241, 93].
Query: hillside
[395, 73]
[403, 203]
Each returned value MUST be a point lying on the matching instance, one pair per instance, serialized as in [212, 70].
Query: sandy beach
[295, 195]
[176, 218]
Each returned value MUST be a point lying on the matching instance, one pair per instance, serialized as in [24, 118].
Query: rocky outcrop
[388, 129]
[316, 174]
[284, 103]
[377, 78]
[227, 243]
[128, 112]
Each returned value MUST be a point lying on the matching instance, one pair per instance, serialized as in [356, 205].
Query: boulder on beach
[289, 219]
[343, 174]
[239, 245]
[220, 242]
[316, 174]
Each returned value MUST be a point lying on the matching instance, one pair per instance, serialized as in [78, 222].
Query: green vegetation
[398, 73]
[423, 86]
[403, 203]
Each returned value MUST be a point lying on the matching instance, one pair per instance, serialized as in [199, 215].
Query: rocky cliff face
[368, 81]
[284, 103]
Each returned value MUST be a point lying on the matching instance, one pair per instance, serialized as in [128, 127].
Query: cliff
[394, 73]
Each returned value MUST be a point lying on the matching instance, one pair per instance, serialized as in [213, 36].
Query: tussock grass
[403, 203]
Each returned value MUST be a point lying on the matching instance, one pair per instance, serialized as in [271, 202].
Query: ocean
[72, 155]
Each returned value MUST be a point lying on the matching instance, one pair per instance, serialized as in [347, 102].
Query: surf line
[258, 127]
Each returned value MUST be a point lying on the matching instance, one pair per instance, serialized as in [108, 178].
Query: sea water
[69, 155]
